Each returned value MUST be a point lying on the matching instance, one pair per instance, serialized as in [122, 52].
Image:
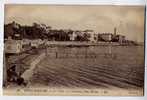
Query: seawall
[28, 73]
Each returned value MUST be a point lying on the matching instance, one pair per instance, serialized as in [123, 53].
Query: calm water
[92, 67]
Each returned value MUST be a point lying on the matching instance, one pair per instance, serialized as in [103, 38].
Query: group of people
[14, 77]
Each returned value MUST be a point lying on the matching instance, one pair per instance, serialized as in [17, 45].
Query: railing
[82, 55]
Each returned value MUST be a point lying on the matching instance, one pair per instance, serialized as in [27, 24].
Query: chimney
[115, 31]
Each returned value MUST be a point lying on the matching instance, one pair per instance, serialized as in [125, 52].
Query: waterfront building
[13, 46]
[121, 38]
[72, 36]
[118, 38]
[107, 37]
[91, 35]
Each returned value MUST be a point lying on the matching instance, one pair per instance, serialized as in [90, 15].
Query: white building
[13, 46]
[106, 36]
[92, 36]
[73, 36]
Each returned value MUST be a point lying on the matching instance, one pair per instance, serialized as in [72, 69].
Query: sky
[129, 20]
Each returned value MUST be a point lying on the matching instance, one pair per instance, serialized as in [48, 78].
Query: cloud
[129, 20]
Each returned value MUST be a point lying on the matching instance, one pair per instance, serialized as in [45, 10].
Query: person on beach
[14, 77]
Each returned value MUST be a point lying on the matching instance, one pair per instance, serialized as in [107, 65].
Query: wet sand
[126, 71]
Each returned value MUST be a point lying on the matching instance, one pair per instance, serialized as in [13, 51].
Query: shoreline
[87, 44]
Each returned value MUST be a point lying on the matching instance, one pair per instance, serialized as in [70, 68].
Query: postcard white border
[80, 2]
